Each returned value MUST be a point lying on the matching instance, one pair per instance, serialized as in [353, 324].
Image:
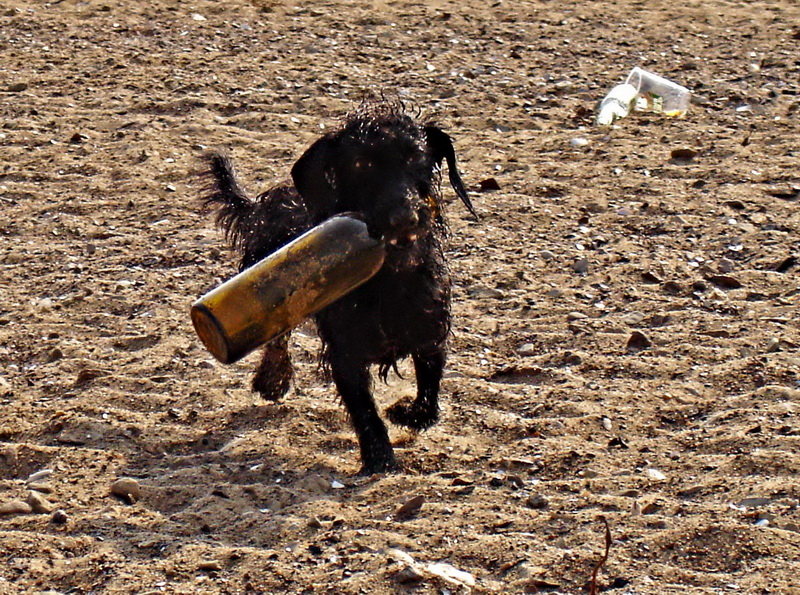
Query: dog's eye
[363, 163]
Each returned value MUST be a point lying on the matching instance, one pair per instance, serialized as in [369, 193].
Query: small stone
[572, 316]
[547, 255]
[659, 319]
[651, 508]
[596, 207]
[655, 474]
[127, 488]
[485, 293]
[17, 87]
[488, 184]
[39, 504]
[15, 507]
[59, 517]
[683, 154]
[209, 565]
[410, 507]
[527, 349]
[314, 523]
[409, 574]
[537, 502]
[673, 288]
[638, 341]
[43, 488]
[773, 345]
[726, 265]
[691, 491]
[54, 354]
[581, 266]
[651, 277]
[725, 281]
[39, 475]
[633, 318]
[754, 502]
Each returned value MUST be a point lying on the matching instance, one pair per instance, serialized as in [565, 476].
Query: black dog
[386, 167]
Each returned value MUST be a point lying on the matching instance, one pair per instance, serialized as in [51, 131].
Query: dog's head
[383, 165]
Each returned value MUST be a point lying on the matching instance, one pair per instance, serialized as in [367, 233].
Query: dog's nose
[403, 219]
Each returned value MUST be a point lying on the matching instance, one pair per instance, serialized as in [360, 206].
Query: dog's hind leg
[353, 383]
[423, 412]
[274, 373]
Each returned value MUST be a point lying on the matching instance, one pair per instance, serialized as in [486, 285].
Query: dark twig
[593, 588]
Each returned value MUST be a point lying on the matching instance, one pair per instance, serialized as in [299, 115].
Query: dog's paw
[386, 464]
[409, 414]
[271, 388]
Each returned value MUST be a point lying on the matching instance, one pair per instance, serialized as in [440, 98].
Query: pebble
[39, 504]
[754, 502]
[726, 265]
[581, 266]
[17, 87]
[576, 316]
[725, 281]
[209, 565]
[683, 154]
[43, 474]
[409, 574]
[15, 507]
[633, 318]
[651, 508]
[59, 517]
[655, 474]
[485, 292]
[547, 255]
[527, 349]
[579, 141]
[127, 488]
[774, 345]
[410, 507]
[537, 502]
[44, 488]
[596, 207]
[638, 341]
[673, 288]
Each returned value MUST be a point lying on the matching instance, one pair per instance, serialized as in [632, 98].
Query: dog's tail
[256, 226]
[233, 205]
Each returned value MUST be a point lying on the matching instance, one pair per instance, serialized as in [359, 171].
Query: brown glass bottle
[279, 292]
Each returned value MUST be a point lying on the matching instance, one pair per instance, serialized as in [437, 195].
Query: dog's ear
[315, 180]
[441, 146]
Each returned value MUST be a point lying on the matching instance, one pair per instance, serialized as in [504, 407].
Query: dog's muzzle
[406, 225]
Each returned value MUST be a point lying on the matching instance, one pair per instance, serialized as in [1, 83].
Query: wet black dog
[386, 167]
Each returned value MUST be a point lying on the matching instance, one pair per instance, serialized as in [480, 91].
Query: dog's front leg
[353, 383]
[423, 412]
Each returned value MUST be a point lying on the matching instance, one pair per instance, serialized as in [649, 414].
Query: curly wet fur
[386, 167]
